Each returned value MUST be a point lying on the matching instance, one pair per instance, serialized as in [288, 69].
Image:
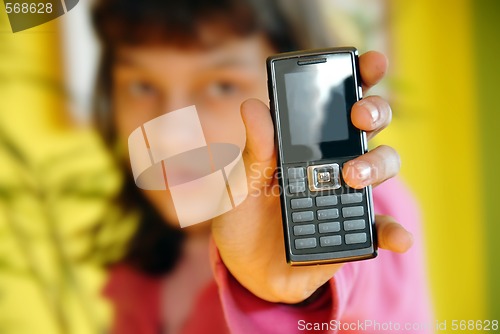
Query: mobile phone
[311, 95]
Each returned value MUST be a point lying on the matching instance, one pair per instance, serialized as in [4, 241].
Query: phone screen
[315, 104]
[317, 109]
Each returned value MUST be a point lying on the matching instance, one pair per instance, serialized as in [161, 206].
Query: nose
[177, 127]
[176, 98]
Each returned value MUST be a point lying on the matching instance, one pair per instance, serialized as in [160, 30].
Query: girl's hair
[155, 246]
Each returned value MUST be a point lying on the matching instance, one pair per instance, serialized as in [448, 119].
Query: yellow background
[436, 130]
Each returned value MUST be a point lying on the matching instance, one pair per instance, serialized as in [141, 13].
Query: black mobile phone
[311, 95]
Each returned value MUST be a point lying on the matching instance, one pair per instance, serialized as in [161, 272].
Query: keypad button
[355, 238]
[326, 200]
[296, 173]
[351, 198]
[305, 243]
[353, 211]
[296, 187]
[304, 229]
[301, 203]
[324, 177]
[329, 227]
[333, 240]
[352, 225]
[328, 214]
[303, 216]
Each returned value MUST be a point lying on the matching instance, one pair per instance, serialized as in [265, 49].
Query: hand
[250, 237]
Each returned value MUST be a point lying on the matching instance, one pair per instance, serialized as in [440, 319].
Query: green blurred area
[487, 43]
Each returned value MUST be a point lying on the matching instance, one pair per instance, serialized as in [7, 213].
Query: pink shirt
[383, 295]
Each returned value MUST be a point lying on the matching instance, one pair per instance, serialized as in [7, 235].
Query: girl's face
[151, 81]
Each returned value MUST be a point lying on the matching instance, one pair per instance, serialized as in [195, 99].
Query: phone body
[311, 95]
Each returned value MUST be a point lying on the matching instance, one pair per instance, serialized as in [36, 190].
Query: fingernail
[362, 173]
[372, 109]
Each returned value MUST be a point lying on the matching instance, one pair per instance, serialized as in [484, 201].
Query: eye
[222, 88]
[142, 89]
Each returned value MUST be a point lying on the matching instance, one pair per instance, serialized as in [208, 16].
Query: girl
[230, 274]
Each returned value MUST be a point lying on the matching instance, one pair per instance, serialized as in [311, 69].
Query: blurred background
[58, 223]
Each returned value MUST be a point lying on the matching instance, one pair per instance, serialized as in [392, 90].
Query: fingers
[259, 153]
[372, 114]
[372, 168]
[391, 235]
[373, 66]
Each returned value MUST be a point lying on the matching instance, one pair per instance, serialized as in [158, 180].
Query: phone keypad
[328, 214]
[304, 229]
[296, 173]
[296, 180]
[353, 225]
[297, 187]
[351, 198]
[355, 238]
[354, 211]
[305, 243]
[301, 203]
[325, 219]
[326, 200]
[333, 240]
[329, 227]
[302, 216]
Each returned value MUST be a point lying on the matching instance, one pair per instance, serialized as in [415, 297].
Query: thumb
[259, 153]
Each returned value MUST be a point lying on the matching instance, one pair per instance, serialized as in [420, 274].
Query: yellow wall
[436, 131]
